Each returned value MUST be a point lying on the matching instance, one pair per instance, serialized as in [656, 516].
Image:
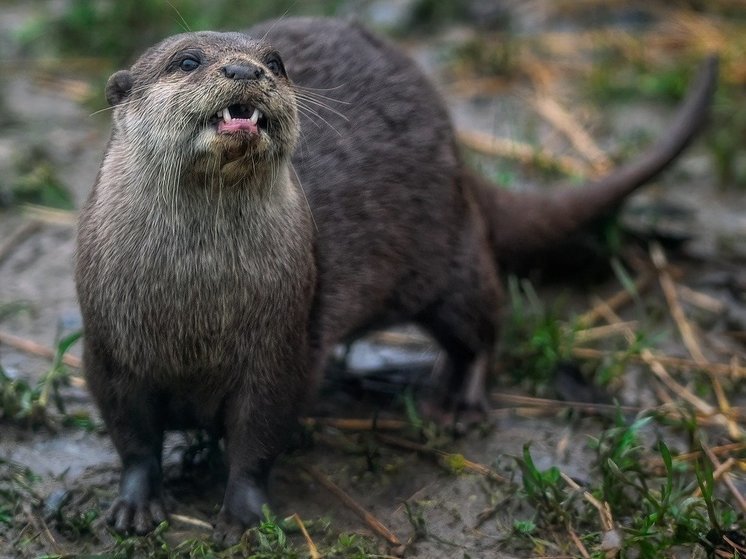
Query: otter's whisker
[322, 106]
[312, 113]
[305, 197]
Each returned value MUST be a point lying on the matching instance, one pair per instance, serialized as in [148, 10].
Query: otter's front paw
[242, 509]
[129, 517]
[228, 530]
[139, 507]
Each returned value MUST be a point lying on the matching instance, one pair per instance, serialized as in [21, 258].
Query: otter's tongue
[237, 118]
[236, 125]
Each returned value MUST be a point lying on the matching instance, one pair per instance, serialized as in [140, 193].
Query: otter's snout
[244, 71]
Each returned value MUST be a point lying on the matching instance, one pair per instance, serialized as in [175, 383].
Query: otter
[195, 268]
[266, 195]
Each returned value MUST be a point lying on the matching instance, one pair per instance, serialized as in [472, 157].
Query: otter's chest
[191, 295]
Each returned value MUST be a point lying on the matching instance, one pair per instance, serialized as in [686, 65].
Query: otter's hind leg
[131, 413]
[464, 320]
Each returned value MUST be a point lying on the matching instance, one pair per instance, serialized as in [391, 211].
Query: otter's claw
[138, 518]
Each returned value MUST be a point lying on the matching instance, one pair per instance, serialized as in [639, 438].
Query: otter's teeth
[255, 116]
[226, 115]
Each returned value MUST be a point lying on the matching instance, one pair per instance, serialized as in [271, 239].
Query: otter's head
[206, 102]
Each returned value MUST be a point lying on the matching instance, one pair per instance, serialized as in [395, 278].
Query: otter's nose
[245, 71]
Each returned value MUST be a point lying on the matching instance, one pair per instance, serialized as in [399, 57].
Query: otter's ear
[118, 87]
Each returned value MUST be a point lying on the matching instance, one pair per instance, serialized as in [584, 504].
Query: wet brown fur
[210, 300]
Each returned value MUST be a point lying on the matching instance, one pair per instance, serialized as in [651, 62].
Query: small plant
[40, 185]
[269, 539]
[656, 513]
[36, 181]
[152, 546]
[545, 491]
[622, 76]
[416, 517]
[524, 527]
[16, 483]
[498, 56]
[352, 546]
[619, 456]
[535, 341]
[20, 401]
[79, 524]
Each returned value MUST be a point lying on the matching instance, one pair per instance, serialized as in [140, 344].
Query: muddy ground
[41, 113]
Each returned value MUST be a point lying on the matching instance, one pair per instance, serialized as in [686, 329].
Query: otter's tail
[522, 223]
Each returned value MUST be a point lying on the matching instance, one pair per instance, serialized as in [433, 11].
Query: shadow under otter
[242, 225]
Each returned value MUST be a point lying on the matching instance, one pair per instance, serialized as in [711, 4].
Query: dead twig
[725, 476]
[355, 424]
[467, 464]
[734, 371]
[52, 216]
[483, 85]
[578, 543]
[521, 152]
[717, 474]
[616, 301]
[600, 332]
[17, 237]
[33, 348]
[688, 335]
[660, 371]
[41, 527]
[677, 312]
[604, 515]
[701, 300]
[559, 404]
[191, 521]
[374, 524]
[561, 119]
[656, 366]
[716, 450]
[73, 89]
[312, 549]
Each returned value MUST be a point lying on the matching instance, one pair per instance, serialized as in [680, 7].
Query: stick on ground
[374, 524]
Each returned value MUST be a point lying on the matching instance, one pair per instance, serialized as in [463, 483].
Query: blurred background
[541, 92]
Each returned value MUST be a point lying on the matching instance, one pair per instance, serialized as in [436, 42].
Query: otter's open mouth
[239, 118]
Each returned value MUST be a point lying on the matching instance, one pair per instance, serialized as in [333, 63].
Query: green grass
[656, 512]
[535, 339]
[36, 181]
[487, 56]
[614, 78]
[16, 488]
[273, 538]
[33, 404]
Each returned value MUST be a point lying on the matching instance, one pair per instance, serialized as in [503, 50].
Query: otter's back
[377, 160]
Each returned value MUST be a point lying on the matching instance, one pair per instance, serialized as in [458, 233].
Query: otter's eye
[275, 66]
[189, 64]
